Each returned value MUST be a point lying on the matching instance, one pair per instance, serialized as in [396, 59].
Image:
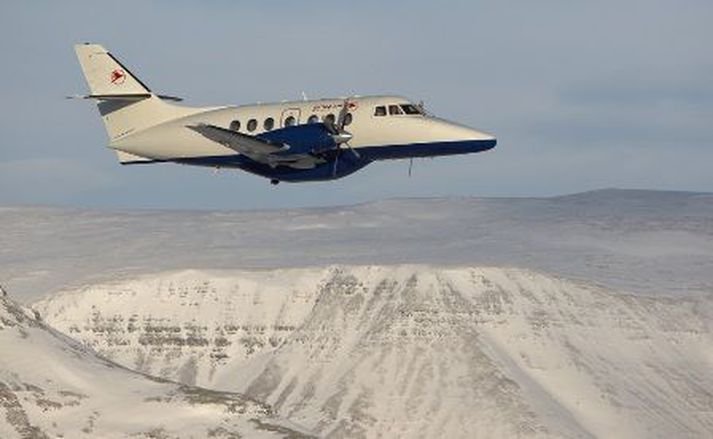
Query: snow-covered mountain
[52, 387]
[415, 350]
[580, 316]
[640, 241]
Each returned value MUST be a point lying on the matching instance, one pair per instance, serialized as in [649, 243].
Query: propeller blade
[354, 151]
[336, 161]
[329, 124]
[340, 135]
[343, 114]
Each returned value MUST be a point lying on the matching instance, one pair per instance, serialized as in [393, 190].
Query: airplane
[295, 141]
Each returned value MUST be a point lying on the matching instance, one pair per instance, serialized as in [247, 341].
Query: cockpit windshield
[411, 109]
[399, 110]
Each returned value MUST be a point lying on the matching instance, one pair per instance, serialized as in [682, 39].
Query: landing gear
[274, 182]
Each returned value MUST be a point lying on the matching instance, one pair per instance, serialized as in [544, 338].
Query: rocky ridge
[414, 351]
[53, 387]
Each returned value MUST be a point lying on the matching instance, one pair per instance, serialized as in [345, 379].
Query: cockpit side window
[395, 109]
[410, 109]
[380, 111]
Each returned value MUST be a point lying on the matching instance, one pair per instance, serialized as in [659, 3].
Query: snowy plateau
[587, 315]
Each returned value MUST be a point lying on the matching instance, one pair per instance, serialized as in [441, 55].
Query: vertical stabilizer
[125, 103]
[105, 75]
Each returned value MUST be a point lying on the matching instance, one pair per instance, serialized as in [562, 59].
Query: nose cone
[468, 137]
[479, 140]
[481, 135]
[483, 139]
[463, 133]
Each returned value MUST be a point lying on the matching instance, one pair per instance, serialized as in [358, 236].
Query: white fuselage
[171, 140]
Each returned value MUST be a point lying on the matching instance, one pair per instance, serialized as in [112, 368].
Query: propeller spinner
[340, 135]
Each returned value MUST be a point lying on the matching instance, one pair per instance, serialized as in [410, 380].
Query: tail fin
[125, 103]
[106, 76]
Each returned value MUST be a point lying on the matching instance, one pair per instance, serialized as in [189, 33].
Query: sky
[581, 95]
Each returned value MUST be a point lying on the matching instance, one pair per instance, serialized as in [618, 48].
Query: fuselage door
[290, 117]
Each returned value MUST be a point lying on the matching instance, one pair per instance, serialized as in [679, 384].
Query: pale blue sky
[582, 95]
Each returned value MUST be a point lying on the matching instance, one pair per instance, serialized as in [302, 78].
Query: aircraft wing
[270, 152]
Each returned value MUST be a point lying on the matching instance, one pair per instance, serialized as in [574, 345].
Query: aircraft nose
[480, 135]
[467, 134]
[470, 139]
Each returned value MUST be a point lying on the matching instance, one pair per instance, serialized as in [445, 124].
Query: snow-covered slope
[409, 336]
[51, 386]
[415, 351]
[640, 241]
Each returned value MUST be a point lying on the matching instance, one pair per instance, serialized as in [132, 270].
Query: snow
[51, 386]
[639, 241]
[415, 350]
[580, 316]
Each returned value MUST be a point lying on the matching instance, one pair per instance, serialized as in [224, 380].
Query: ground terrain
[588, 315]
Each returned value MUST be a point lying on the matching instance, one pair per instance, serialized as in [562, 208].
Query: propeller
[340, 135]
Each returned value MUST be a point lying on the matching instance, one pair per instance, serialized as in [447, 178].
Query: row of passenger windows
[381, 110]
[397, 109]
[269, 123]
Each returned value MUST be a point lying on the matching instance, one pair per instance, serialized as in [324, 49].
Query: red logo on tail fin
[117, 77]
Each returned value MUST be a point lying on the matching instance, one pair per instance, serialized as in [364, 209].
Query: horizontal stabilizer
[124, 97]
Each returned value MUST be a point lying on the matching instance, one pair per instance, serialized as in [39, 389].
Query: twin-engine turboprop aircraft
[296, 141]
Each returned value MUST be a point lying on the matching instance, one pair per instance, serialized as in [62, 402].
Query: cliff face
[52, 386]
[415, 351]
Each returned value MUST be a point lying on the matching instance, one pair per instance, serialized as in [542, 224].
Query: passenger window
[394, 109]
[380, 111]
[329, 119]
[289, 121]
[348, 119]
[252, 124]
[268, 124]
[235, 125]
[313, 119]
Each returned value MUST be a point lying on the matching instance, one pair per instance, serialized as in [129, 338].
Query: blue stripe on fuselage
[348, 162]
[432, 149]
